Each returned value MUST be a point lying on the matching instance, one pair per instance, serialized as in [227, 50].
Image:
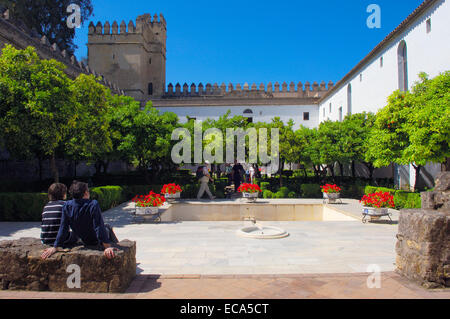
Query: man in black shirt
[237, 173]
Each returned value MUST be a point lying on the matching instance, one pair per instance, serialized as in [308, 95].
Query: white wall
[427, 52]
[260, 113]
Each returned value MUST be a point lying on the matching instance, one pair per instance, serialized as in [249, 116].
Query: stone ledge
[423, 247]
[21, 267]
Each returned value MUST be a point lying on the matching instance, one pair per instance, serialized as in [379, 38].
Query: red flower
[378, 200]
[152, 199]
[171, 189]
[328, 188]
[249, 188]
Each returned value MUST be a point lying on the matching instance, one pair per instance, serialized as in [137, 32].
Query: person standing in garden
[237, 173]
[204, 177]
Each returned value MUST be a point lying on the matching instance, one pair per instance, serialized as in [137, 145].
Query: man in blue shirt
[84, 217]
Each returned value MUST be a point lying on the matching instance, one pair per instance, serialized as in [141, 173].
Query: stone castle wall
[16, 34]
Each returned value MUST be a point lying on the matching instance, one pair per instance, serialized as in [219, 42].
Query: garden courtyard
[207, 259]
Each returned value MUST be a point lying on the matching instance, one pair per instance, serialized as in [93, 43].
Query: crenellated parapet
[19, 36]
[269, 90]
[132, 27]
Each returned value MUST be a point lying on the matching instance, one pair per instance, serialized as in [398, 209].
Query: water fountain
[258, 231]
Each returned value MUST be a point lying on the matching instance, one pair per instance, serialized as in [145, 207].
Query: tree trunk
[281, 173]
[446, 165]
[40, 168]
[54, 168]
[341, 169]
[417, 169]
[331, 168]
[353, 169]
[105, 166]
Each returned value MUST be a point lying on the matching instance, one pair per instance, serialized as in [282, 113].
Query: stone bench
[72, 270]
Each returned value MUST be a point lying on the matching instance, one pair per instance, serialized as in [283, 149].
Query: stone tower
[133, 56]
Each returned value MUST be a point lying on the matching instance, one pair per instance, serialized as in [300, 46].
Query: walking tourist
[204, 177]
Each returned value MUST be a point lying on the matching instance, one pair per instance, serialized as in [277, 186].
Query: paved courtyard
[204, 260]
[213, 248]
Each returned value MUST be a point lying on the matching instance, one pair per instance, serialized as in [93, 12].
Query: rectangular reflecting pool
[262, 210]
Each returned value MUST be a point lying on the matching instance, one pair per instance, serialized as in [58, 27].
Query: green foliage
[48, 17]
[108, 196]
[402, 199]
[90, 138]
[264, 186]
[36, 109]
[311, 191]
[267, 194]
[22, 206]
[292, 195]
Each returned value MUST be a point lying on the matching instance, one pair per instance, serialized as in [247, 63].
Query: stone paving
[318, 286]
[204, 260]
[214, 248]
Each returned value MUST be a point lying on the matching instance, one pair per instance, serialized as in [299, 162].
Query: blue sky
[259, 41]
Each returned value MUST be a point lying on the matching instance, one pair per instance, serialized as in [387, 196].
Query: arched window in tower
[349, 99]
[150, 89]
[402, 54]
[249, 115]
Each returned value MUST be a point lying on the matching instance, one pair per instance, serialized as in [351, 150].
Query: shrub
[292, 195]
[264, 186]
[22, 206]
[108, 196]
[311, 191]
[408, 200]
[267, 194]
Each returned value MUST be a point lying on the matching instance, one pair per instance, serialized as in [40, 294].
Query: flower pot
[142, 211]
[251, 197]
[331, 197]
[375, 213]
[172, 197]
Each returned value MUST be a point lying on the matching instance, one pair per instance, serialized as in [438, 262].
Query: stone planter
[375, 213]
[331, 197]
[172, 197]
[251, 197]
[142, 211]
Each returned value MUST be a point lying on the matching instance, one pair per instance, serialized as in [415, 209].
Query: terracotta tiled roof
[411, 18]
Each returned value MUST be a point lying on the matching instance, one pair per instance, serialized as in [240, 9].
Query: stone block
[21, 267]
[423, 246]
[442, 182]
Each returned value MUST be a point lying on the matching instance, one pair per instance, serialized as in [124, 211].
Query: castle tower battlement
[131, 54]
[246, 91]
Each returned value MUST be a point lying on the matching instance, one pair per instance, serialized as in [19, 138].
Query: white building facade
[420, 44]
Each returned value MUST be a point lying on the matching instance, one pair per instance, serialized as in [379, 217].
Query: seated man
[51, 216]
[84, 217]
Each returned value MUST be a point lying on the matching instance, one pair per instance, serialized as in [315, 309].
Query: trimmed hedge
[402, 199]
[311, 191]
[108, 196]
[22, 206]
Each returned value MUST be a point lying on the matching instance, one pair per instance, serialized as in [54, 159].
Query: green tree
[330, 145]
[36, 107]
[49, 18]
[90, 138]
[429, 122]
[148, 138]
[414, 127]
[356, 129]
